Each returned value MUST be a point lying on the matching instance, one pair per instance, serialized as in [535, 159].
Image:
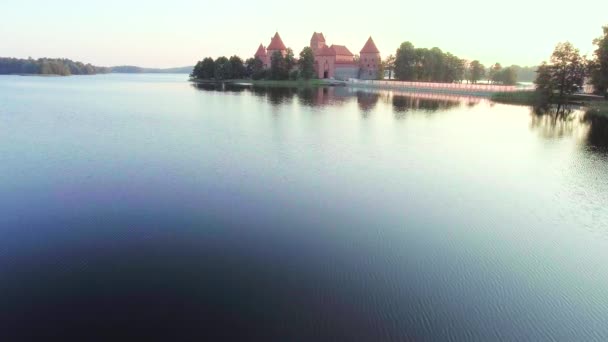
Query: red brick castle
[334, 61]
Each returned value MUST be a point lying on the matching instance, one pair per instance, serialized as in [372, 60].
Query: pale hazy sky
[179, 32]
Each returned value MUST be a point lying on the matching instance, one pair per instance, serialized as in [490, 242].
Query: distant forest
[47, 66]
[66, 67]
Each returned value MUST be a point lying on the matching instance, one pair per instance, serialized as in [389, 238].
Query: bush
[259, 75]
[294, 75]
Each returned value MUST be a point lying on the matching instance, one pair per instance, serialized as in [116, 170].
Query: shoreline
[272, 83]
[422, 87]
[596, 107]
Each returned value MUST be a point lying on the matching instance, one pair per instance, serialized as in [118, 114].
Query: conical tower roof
[261, 52]
[318, 36]
[370, 47]
[276, 43]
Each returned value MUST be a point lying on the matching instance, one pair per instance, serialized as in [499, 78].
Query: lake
[141, 206]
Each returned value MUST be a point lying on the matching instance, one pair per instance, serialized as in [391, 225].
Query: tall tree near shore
[453, 68]
[256, 66]
[476, 71]
[290, 62]
[204, 70]
[599, 65]
[544, 84]
[564, 75]
[495, 73]
[249, 65]
[427, 65]
[405, 62]
[278, 67]
[237, 67]
[568, 69]
[223, 69]
[306, 63]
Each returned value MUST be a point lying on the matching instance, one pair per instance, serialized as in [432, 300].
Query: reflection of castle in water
[366, 100]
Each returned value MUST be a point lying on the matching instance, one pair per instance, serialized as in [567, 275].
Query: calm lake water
[141, 206]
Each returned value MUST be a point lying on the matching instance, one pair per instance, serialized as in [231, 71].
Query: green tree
[508, 76]
[568, 69]
[453, 68]
[545, 88]
[258, 71]
[495, 73]
[290, 62]
[294, 74]
[223, 69]
[556, 80]
[435, 65]
[421, 71]
[278, 67]
[380, 71]
[204, 70]
[389, 64]
[599, 65]
[249, 64]
[307, 63]
[476, 71]
[405, 62]
[237, 67]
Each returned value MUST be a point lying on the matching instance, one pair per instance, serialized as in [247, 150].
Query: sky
[180, 32]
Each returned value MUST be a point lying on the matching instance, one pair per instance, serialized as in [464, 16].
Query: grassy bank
[597, 107]
[522, 97]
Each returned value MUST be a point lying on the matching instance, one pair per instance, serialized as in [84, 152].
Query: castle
[335, 61]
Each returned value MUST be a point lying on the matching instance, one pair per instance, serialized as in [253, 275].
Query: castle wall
[345, 72]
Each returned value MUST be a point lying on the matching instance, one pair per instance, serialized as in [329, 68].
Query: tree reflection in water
[598, 133]
[367, 100]
[554, 122]
[402, 103]
[550, 121]
[552, 126]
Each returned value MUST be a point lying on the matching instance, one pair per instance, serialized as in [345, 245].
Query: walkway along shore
[452, 88]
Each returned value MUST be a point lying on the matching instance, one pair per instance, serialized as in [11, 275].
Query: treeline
[222, 68]
[47, 66]
[282, 67]
[433, 65]
[409, 64]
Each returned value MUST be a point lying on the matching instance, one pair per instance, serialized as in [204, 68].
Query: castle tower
[317, 42]
[369, 60]
[262, 55]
